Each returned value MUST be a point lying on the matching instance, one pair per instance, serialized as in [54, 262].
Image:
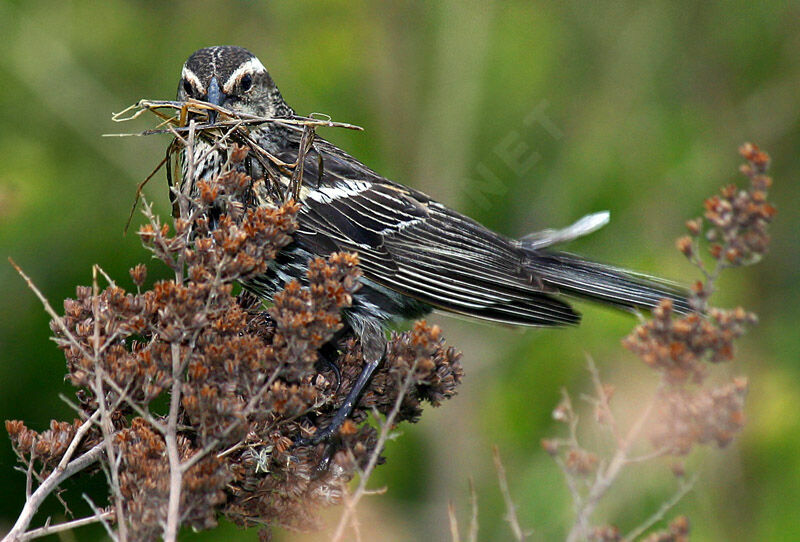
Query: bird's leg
[328, 354]
[347, 407]
[373, 348]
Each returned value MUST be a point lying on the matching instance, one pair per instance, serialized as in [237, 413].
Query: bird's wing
[416, 246]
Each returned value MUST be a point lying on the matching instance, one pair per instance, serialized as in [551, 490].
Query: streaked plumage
[416, 254]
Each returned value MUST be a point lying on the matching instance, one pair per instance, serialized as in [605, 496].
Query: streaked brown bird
[416, 254]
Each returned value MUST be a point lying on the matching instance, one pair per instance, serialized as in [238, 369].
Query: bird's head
[233, 78]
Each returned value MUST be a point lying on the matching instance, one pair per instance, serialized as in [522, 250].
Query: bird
[416, 254]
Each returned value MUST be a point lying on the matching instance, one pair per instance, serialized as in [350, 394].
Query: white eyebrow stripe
[191, 77]
[251, 66]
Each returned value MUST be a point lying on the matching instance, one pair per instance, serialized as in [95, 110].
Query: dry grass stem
[473, 520]
[451, 515]
[511, 509]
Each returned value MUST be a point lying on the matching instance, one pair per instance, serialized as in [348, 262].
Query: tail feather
[602, 283]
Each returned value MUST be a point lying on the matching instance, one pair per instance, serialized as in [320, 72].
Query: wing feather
[412, 245]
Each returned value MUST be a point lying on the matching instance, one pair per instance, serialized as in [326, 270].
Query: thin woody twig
[140, 187]
[171, 441]
[603, 400]
[49, 309]
[104, 522]
[351, 502]
[658, 515]
[306, 142]
[29, 474]
[154, 106]
[511, 509]
[65, 526]
[102, 271]
[76, 440]
[106, 425]
[606, 476]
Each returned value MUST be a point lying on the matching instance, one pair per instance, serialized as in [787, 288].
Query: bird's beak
[215, 96]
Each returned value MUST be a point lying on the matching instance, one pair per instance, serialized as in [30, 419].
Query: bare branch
[104, 522]
[48, 486]
[606, 476]
[171, 440]
[603, 400]
[66, 526]
[685, 487]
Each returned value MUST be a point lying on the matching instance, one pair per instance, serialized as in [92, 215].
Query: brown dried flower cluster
[605, 533]
[737, 221]
[243, 382]
[144, 482]
[581, 462]
[681, 348]
[678, 531]
[48, 446]
[708, 415]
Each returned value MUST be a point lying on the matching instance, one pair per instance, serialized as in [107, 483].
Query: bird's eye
[187, 87]
[246, 83]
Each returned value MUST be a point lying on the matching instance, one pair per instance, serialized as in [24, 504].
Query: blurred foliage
[524, 115]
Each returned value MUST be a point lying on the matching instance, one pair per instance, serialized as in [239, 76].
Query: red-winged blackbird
[416, 255]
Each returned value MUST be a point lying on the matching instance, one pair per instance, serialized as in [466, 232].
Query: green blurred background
[522, 114]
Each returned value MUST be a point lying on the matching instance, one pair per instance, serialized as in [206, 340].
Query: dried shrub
[690, 406]
[243, 381]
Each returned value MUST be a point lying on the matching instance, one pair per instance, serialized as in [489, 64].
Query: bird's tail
[602, 283]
